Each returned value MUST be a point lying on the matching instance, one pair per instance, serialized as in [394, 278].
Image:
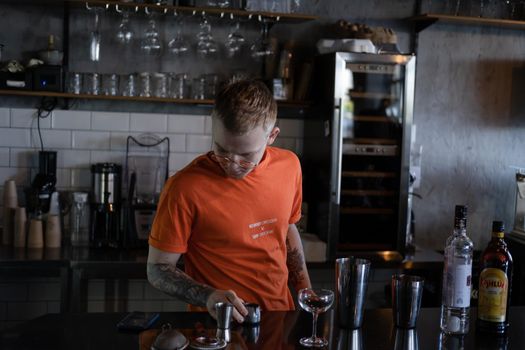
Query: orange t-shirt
[233, 231]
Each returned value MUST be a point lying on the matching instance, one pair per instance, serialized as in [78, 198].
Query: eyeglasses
[244, 164]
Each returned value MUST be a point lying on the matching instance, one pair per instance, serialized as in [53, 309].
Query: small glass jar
[92, 83]
[179, 85]
[128, 85]
[199, 88]
[110, 84]
[74, 83]
[160, 85]
[212, 83]
[145, 84]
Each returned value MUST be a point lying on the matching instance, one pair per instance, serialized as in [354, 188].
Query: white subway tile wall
[110, 121]
[72, 120]
[5, 115]
[147, 122]
[83, 137]
[4, 157]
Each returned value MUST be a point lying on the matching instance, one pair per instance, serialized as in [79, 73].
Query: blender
[146, 171]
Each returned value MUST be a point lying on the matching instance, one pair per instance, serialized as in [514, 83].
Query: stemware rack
[266, 18]
[221, 12]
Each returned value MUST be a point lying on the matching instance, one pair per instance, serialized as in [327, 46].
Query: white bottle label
[457, 285]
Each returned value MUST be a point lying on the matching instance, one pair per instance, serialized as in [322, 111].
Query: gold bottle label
[493, 290]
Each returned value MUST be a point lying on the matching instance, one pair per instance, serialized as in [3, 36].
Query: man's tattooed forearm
[295, 263]
[175, 282]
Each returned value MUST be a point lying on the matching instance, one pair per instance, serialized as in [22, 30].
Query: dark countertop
[75, 266]
[278, 330]
[86, 257]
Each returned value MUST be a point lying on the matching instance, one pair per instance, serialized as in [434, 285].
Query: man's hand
[228, 296]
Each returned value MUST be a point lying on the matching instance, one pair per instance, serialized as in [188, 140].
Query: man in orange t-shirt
[232, 213]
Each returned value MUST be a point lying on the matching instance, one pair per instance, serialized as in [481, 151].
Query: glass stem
[458, 4]
[314, 325]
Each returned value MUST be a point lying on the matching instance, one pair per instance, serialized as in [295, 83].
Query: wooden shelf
[220, 12]
[425, 20]
[292, 104]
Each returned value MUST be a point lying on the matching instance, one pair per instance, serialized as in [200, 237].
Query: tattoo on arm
[295, 263]
[173, 281]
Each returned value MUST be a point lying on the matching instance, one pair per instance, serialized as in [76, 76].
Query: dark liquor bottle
[495, 283]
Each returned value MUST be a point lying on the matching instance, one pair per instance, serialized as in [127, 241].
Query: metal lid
[106, 168]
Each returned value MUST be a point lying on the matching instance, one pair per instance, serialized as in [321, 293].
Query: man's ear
[273, 135]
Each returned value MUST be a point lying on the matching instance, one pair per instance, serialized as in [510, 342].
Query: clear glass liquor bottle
[457, 277]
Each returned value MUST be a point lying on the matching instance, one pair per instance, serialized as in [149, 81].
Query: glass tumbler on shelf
[160, 85]
[129, 85]
[178, 85]
[110, 84]
[145, 85]
[74, 83]
[199, 88]
[211, 85]
[315, 301]
[92, 83]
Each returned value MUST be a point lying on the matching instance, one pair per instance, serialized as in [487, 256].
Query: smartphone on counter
[137, 321]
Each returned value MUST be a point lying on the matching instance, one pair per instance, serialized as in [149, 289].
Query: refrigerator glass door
[369, 179]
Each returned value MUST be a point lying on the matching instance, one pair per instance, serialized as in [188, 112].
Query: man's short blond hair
[243, 105]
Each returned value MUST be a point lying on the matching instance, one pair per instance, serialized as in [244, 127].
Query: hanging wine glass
[178, 45]
[235, 40]
[95, 36]
[262, 47]
[124, 33]
[151, 43]
[206, 44]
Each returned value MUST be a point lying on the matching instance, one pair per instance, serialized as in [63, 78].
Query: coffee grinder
[105, 205]
[42, 189]
[146, 171]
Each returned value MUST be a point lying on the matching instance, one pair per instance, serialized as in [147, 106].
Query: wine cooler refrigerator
[356, 153]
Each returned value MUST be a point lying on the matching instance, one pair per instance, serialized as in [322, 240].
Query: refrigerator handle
[337, 147]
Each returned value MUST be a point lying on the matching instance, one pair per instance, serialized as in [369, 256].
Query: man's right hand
[228, 296]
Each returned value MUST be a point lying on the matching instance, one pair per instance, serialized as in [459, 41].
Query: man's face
[238, 155]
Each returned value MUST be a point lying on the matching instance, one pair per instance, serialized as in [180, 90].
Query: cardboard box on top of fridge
[314, 248]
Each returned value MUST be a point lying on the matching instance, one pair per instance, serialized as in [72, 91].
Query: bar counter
[76, 266]
[278, 330]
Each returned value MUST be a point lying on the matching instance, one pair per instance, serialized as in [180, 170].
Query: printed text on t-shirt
[262, 228]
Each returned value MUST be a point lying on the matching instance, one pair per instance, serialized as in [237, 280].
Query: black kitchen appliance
[39, 194]
[48, 78]
[105, 205]
[147, 157]
[357, 151]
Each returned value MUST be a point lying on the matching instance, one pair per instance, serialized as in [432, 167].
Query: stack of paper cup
[10, 204]
[53, 233]
[35, 238]
[19, 240]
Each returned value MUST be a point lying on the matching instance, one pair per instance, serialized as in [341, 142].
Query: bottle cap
[461, 211]
[499, 228]
[460, 217]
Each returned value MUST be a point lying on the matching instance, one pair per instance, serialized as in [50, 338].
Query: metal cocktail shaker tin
[351, 275]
